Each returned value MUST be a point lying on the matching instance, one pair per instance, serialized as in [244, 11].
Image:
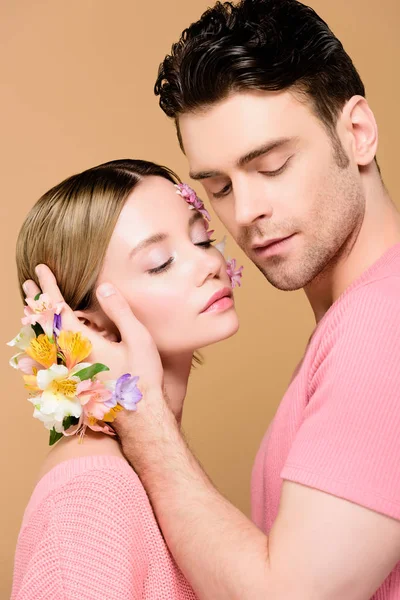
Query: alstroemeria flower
[58, 399]
[126, 392]
[25, 363]
[23, 339]
[43, 350]
[57, 325]
[92, 395]
[190, 196]
[235, 274]
[74, 347]
[42, 311]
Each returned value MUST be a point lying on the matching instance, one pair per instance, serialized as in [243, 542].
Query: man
[272, 116]
[273, 119]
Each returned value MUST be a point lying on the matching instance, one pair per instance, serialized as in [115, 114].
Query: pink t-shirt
[89, 533]
[337, 428]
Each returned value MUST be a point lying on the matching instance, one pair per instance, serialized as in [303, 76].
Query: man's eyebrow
[161, 237]
[244, 160]
[263, 150]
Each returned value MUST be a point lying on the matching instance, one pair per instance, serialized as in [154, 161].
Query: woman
[89, 531]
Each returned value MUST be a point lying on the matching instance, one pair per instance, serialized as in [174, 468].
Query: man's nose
[251, 205]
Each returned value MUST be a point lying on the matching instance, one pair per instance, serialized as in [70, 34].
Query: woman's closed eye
[166, 265]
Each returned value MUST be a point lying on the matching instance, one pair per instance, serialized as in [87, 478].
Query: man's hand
[136, 353]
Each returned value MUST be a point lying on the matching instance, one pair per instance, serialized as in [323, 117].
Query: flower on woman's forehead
[190, 196]
[41, 311]
[235, 274]
[74, 347]
[43, 350]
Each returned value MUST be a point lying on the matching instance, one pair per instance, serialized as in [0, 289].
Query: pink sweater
[337, 428]
[89, 533]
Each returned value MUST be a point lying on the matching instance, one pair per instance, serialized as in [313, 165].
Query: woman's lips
[221, 300]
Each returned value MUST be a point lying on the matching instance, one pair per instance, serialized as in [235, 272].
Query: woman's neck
[176, 376]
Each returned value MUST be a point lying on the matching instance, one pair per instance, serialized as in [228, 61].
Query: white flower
[58, 399]
[23, 339]
[221, 245]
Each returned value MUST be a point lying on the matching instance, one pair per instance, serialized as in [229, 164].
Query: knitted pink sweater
[89, 533]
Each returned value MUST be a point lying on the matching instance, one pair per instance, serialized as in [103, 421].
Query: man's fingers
[30, 288]
[118, 310]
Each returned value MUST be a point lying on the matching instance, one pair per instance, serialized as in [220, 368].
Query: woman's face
[161, 260]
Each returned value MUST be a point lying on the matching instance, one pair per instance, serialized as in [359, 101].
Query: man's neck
[379, 231]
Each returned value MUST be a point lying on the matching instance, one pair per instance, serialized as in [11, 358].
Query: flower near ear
[190, 196]
[42, 350]
[235, 274]
[67, 396]
[74, 347]
[126, 392]
[58, 399]
[93, 396]
[41, 310]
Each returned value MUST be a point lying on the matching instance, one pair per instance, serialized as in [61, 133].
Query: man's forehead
[238, 125]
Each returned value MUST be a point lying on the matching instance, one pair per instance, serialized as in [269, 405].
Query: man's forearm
[221, 553]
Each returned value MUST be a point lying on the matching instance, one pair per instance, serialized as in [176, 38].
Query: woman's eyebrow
[153, 239]
[161, 237]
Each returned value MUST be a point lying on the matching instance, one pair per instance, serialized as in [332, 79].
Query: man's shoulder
[373, 300]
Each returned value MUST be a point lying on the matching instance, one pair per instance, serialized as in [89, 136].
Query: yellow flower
[74, 346]
[43, 350]
[65, 387]
[112, 414]
[31, 384]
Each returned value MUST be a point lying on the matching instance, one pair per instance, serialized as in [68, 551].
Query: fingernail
[38, 270]
[105, 289]
[25, 287]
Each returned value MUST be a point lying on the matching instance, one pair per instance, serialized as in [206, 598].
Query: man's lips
[260, 246]
[223, 293]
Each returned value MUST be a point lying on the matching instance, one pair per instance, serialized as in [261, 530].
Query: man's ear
[98, 321]
[360, 124]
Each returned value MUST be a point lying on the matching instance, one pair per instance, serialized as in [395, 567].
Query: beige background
[76, 90]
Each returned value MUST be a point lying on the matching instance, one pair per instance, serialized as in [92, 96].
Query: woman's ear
[98, 321]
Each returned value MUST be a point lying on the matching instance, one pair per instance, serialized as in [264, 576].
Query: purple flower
[126, 392]
[192, 198]
[235, 274]
[57, 325]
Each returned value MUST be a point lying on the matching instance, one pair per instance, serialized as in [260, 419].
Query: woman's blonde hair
[70, 227]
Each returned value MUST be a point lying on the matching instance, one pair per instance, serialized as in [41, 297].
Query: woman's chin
[221, 329]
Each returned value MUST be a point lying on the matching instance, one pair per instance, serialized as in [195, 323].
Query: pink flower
[192, 199]
[235, 274]
[93, 395]
[25, 363]
[41, 311]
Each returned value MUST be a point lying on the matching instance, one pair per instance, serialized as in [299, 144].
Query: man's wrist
[146, 434]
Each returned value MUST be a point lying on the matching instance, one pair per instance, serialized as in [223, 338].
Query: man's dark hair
[267, 45]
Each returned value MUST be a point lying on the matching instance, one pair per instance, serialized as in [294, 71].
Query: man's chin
[285, 280]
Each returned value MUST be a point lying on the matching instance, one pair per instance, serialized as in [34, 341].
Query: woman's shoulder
[92, 471]
[92, 444]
